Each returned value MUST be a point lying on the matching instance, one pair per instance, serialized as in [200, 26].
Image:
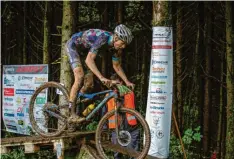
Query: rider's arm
[90, 59]
[117, 66]
[90, 62]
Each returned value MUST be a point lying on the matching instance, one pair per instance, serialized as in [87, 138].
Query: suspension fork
[117, 107]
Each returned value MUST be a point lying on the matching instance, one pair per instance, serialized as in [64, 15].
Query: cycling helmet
[124, 33]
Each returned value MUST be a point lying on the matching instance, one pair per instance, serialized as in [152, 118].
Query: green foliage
[15, 154]
[190, 137]
[92, 126]
[48, 154]
[18, 153]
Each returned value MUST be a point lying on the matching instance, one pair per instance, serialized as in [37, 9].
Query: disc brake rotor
[124, 138]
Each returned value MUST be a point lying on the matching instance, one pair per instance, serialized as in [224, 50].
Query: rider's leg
[77, 68]
[78, 77]
[88, 82]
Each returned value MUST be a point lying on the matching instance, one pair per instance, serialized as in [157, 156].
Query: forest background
[203, 34]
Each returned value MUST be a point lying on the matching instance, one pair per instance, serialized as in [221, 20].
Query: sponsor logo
[8, 99]
[8, 82]
[9, 121]
[27, 85]
[24, 91]
[156, 112]
[160, 77]
[159, 134]
[27, 110]
[158, 82]
[158, 90]
[156, 120]
[155, 54]
[11, 127]
[162, 33]
[161, 40]
[20, 109]
[156, 103]
[158, 97]
[152, 132]
[8, 104]
[20, 122]
[40, 100]
[8, 110]
[40, 80]
[25, 78]
[20, 114]
[9, 92]
[9, 69]
[159, 62]
[40, 120]
[29, 69]
[155, 107]
[161, 47]
[18, 100]
[158, 69]
[9, 114]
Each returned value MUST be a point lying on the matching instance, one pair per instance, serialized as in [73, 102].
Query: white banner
[159, 102]
[19, 83]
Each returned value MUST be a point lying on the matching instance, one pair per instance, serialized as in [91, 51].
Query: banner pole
[177, 129]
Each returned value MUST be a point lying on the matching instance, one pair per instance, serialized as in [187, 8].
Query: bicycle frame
[111, 94]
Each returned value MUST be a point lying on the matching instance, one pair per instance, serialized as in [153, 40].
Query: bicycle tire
[140, 119]
[39, 90]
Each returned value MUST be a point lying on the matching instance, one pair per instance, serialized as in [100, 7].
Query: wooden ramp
[33, 144]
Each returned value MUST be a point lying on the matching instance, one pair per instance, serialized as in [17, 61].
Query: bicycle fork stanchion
[116, 120]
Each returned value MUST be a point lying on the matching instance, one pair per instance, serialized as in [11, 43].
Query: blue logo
[9, 114]
[8, 82]
[20, 114]
[159, 62]
[24, 91]
[155, 107]
[159, 77]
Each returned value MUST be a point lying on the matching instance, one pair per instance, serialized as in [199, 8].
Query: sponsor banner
[19, 83]
[159, 101]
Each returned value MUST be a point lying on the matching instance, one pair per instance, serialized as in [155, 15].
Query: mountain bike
[51, 119]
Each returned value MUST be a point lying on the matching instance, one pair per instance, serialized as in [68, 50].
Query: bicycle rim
[43, 122]
[134, 140]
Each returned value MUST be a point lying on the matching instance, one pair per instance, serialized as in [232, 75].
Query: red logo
[8, 91]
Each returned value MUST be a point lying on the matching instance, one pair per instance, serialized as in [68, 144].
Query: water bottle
[88, 109]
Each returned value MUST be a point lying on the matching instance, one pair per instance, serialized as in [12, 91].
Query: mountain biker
[94, 39]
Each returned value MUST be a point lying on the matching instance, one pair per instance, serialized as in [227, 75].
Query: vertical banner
[19, 83]
[159, 101]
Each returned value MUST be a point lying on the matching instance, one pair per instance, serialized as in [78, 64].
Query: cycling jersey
[92, 39]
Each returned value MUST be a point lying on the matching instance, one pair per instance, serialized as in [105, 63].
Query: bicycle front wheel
[133, 135]
[43, 122]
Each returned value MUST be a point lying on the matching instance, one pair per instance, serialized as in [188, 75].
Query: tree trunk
[207, 85]
[25, 34]
[47, 40]
[230, 81]
[119, 21]
[179, 96]
[67, 27]
[105, 26]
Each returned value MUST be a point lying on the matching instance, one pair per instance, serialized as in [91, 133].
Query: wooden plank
[31, 148]
[39, 139]
[4, 149]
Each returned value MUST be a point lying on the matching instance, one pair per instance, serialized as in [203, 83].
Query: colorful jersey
[93, 39]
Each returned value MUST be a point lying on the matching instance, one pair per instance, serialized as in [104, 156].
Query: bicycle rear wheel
[134, 140]
[43, 122]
